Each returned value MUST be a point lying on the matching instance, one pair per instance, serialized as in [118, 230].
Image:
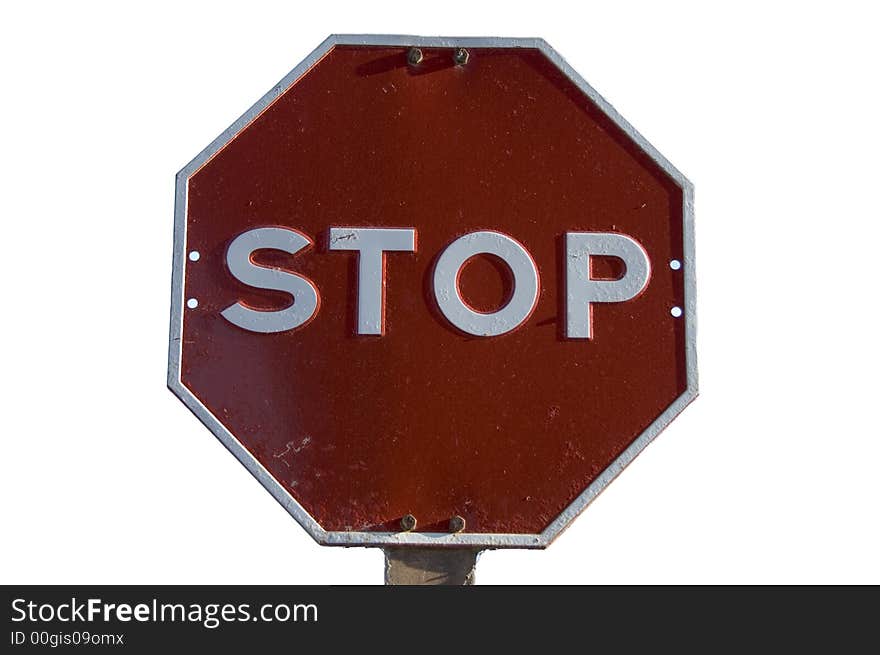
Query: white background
[770, 476]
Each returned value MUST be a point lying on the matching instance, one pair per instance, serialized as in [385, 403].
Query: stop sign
[433, 279]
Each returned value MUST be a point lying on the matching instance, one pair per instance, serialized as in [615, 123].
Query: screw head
[408, 522]
[460, 56]
[414, 56]
[456, 523]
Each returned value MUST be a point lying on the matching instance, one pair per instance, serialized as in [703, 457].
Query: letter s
[305, 296]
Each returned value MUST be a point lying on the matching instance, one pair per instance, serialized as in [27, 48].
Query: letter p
[582, 290]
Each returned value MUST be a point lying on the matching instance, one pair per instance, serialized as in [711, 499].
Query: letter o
[526, 284]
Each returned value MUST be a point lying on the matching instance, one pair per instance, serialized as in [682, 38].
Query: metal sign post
[435, 294]
[430, 566]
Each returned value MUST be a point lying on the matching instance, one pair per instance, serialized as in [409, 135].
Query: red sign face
[433, 280]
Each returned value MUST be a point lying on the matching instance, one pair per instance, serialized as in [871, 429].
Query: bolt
[460, 56]
[414, 56]
[408, 522]
[456, 523]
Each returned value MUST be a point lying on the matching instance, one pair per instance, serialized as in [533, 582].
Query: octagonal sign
[433, 279]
